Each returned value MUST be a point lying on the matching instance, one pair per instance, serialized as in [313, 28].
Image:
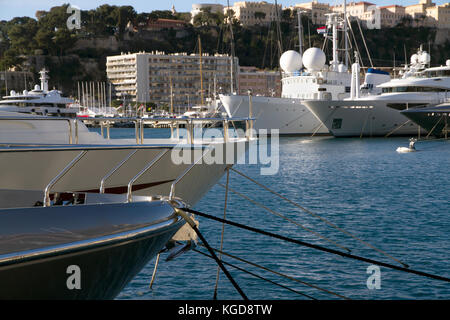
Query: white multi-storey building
[151, 77]
[251, 13]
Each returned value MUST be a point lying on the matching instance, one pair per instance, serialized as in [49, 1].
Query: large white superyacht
[304, 77]
[40, 101]
[379, 115]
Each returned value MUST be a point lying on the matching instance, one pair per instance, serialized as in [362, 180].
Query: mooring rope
[258, 276]
[282, 275]
[223, 231]
[286, 218]
[182, 213]
[321, 218]
[434, 127]
[397, 128]
[318, 247]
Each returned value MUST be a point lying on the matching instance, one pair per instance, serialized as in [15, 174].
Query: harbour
[361, 185]
[185, 176]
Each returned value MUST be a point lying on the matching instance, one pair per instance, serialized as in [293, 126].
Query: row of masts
[93, 95]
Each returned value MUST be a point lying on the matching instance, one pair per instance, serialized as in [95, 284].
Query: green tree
[21, 33]
[122, 15]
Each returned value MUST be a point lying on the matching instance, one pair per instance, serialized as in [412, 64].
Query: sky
[18, 8]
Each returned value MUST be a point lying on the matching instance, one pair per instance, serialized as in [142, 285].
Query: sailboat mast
[171, 94]
[345, 34]
[280, 41]
[232, 49]
[201, 73]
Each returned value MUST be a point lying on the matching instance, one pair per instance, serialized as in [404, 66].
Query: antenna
[345, 34]
[300, 31]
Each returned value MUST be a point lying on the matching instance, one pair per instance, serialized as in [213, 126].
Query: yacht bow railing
[174, 123]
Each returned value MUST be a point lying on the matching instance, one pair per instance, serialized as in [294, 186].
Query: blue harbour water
[396, 202]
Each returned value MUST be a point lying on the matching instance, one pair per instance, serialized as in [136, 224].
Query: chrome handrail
[69, 121]
[60, 175]
[139, 124]
[144, 170]
[113, 170]
[172, 187]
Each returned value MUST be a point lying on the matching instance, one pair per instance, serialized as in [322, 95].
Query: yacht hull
[355, 118]
[435, 120]
[33, 168]
[289, 116]
[79, 252]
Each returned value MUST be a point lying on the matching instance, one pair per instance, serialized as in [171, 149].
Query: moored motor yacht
[61, 140]
[435, 119]
[79, 204]
[305, 76]
[80, 246]
[40, 101]
[379, 115]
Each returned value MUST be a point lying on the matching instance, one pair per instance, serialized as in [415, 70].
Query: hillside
[80, 55]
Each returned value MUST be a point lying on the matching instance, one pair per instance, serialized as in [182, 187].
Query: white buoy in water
[411, 147]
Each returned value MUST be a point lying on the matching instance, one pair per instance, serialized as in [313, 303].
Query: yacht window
[412, 89]
[337, 124]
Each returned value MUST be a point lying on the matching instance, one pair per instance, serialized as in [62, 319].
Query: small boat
[81, 245]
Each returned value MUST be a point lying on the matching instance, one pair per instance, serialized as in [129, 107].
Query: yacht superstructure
[305, 77]
[40, 101]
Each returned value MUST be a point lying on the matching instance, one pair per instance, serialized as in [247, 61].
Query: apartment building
[438, 16]
[151, 77]
[361, 10]
[425, 13]
[260, 82]
[315, 10]
[253, 13]
[391, 15]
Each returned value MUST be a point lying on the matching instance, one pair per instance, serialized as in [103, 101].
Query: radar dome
[314, 59]
[414, 58]
[447, 63]
[424, 58]
[291, 61]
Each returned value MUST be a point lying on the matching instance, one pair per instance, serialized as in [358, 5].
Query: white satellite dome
[424, 58]
[314, 59]
[414, 58]
[291, 61]
[447, 63]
